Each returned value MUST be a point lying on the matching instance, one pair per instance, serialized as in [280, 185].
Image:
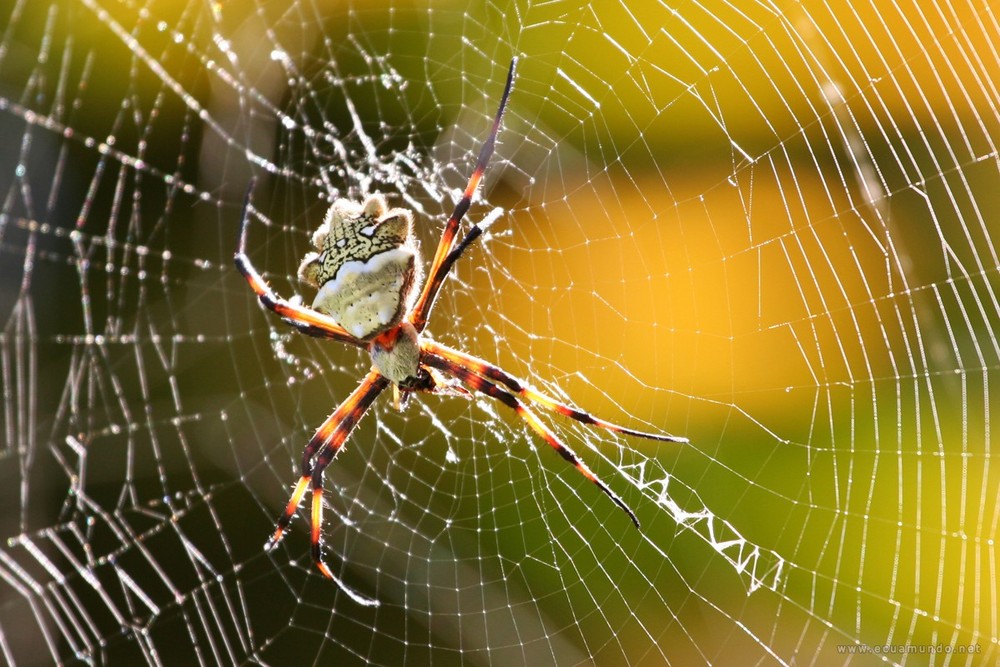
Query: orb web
[769, 229]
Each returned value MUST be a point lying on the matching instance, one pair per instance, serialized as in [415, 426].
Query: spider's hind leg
[446, 253]
[306, 320]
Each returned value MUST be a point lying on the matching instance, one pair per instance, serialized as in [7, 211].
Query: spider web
[768, 228]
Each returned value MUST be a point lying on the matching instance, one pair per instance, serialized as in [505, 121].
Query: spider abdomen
[369, 297]
[366, 268]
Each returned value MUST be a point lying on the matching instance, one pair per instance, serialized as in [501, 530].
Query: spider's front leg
[484, 386]
[318, 454]
[492, 372]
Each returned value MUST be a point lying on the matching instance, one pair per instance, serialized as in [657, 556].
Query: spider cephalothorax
[367, 272]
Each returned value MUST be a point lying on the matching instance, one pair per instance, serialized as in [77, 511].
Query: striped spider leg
[447, 253]
[482, 376]
[306, 320]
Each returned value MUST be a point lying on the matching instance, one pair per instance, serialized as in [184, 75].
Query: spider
[366, 269]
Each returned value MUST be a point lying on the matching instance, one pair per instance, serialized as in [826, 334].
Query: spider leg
[323, 447]
[444, 257]
[484, 386]
[487, 370]
[306, 320]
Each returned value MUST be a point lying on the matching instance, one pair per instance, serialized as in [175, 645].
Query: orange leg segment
[319, 453]
[484, 386]
[444, 258]
[487, 370]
